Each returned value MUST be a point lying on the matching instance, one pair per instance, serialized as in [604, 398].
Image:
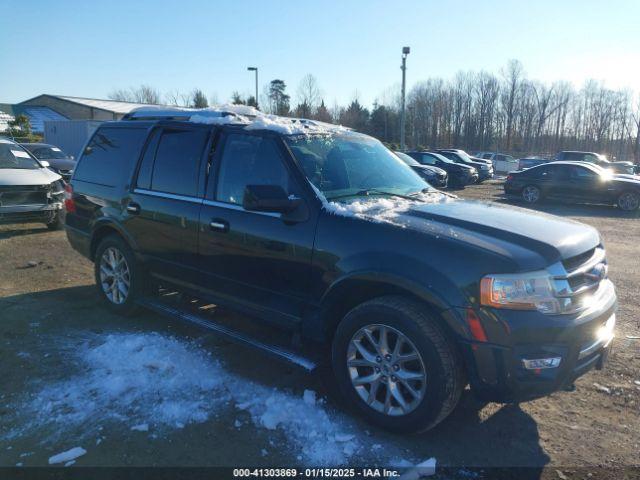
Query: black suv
[410, 292]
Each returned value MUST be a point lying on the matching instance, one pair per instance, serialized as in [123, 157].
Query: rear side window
[110, 154]
[177, 161]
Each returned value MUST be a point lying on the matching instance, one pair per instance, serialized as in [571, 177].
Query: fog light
[539, 363]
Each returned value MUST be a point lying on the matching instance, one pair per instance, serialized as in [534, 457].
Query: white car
[29, 191]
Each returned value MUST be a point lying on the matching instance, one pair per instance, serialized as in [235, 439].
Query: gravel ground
[50, 314]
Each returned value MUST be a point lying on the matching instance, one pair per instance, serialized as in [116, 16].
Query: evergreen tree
[323, 114]
[199, 99]
[278, 98]
[355, 116]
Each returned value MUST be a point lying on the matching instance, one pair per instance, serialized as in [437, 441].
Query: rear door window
[110, 155]
[177, 162]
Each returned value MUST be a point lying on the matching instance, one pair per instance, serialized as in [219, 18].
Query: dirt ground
[49, 310]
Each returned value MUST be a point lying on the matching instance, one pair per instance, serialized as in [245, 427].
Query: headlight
[528, 291]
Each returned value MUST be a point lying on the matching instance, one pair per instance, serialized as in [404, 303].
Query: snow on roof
[252, 118]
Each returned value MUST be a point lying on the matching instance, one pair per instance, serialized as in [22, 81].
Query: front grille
[577, 279]
[574, 262]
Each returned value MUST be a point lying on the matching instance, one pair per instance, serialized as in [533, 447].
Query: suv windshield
[48, 153]
[350, 164]
[407, 159]
[14, 156]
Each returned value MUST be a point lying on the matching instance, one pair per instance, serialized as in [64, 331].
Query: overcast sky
[86, 48]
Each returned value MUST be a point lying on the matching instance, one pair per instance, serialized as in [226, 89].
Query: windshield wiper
[371, 191]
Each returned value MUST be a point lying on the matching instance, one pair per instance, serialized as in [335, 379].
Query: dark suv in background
[323, 232]
[484, 167]
[459, 175]
[597, 159]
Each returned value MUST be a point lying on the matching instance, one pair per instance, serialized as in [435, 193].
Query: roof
[38, 115]
[108, 105]
[5, 118]
[243, 115]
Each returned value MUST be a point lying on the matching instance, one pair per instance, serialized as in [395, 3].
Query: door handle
[219, 225]
[133, 208]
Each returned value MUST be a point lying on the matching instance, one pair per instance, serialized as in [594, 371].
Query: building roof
[108, 105]
[39, 115]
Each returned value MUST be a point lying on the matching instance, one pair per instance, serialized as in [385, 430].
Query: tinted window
[146, 165]
[249, 160]
[581, 173]
[109, 155]
[177, 162]
[428, 160]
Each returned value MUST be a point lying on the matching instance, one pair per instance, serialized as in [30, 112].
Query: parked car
[433, 175]
[484, 168]
[459, 175]
[529, 162]
[29, 191]
[59, 162]
[597, 159]
[575, 181]
[322, 231]
[501, 161]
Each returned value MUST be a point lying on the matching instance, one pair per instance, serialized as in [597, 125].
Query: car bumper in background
[29, 213]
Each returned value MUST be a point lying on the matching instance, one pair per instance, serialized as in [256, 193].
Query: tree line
[504, 111]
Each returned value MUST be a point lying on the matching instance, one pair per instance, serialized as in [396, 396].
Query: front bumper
[497, 370]
[29, 213]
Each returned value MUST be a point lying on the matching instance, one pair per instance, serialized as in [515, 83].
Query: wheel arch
[103, 230]
[349, 292]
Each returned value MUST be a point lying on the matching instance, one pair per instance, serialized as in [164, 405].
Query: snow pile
[155, 383]
[68, 456]
[384, 209]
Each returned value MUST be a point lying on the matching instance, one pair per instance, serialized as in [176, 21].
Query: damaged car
[29, 190]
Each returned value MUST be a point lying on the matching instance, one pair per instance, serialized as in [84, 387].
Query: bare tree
[141, 94]
[308, 95]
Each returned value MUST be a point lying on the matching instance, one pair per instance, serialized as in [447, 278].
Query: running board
[238, 337]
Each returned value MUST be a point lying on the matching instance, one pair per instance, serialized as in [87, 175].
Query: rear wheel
[119, 277]
[628, 201]
[395, 365]
[531, 194]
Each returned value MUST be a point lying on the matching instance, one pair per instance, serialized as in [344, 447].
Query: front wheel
[531, 194]
[629, 201]
[396, 366]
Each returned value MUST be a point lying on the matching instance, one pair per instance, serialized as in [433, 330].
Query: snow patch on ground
[152, 381]
[68, 456]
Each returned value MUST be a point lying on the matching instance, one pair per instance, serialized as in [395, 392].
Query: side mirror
[44, 163]
[268, 198]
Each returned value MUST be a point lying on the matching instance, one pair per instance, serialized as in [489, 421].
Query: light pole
[255, 69]
[403, 119]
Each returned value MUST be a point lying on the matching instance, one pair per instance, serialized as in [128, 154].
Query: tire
[531, 194]
[628, 201]
[121, 303]
[443, 381]
[55, 223]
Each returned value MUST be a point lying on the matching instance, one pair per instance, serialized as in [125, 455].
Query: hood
[507, 231]
[627, 179]
[429, 170]
[62, 163]
[19, 177]
[625, 164]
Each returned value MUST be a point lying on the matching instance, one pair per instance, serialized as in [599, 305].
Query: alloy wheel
[386, 370]
[629, 201]
[531, 194]
[115, 276]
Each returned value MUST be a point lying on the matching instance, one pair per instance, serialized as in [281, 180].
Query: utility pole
[255, 69]
[403, 119]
